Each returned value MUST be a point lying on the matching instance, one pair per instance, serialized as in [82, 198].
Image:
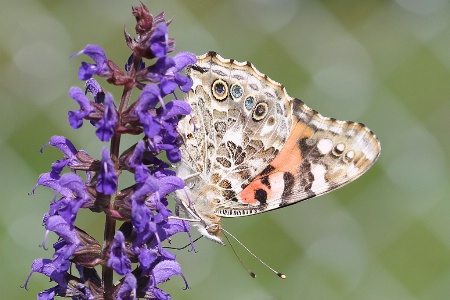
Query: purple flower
[127, 288]
[161, 273]
[74, 193]
[119, 260]
[150, 97]
[173, 109]
[46, 267]
[156, 72]
[63, 144]
[166, 71]
[100, 67]
[168, 184]
[141, 213]
[167, 137]
[149, 226]
[107, 124]
[68, 185]
[102, 113]
[107, 179]
[66, 247]
[141, 171]
[172, 78]
[159, 42]
[169, 228]
[49, 294]
[161, 127]
[64, 288]
[69, 151]
[146, 258]
[76, 117]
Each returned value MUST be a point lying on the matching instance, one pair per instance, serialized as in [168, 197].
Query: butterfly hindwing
[320, 155]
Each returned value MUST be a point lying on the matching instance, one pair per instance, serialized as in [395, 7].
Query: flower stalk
[133, 250]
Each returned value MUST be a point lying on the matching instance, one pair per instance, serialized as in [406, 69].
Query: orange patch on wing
[288, 160]
[290, 157]
[248, 194]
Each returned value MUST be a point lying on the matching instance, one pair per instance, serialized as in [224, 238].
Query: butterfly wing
[320, 155]
[249, 147]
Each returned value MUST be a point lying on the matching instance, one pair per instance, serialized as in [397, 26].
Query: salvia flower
[107, 124]
[100, 67]
[107, 179]
[76, 117]
[166, 72]
[119, 260]
[134, 249]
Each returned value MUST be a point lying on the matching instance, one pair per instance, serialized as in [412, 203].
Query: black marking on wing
[289, 182]
[261, 196]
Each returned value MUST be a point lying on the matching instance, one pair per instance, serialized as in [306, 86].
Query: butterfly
[248, 147]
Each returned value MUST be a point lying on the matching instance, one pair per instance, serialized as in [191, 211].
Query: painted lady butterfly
[250, 148]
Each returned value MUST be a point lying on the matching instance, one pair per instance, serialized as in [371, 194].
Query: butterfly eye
[236, 91]
[249, 102]
[220, 90]
[260, 111]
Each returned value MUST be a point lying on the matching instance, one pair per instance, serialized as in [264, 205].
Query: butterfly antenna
[281, 275]
[235, 253]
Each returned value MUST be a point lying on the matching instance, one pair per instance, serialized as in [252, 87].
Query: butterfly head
[205, 204]
[211, 231]
[200, 204]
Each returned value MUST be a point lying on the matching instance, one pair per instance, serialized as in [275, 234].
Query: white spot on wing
[324, 146]
[277, 185]
[340, 147]
[319, 183]
[350, 155]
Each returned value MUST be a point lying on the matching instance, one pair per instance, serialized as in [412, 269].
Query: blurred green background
[383, 63]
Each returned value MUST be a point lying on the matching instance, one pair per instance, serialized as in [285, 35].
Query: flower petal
[184, 59]
[45, 266]
[76, 117]
[159, 41]
[164, 270]
[100, 67]
[107, 179]
[146, 258]
[141, 171]
[118, 259]
[127, 288]
[176, 108]
[107, 124]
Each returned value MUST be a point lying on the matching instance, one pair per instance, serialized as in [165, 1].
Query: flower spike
[134, 251]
